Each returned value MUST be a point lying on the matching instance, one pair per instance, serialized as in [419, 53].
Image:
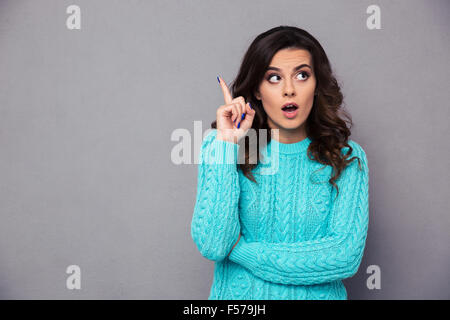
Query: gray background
[86, 117]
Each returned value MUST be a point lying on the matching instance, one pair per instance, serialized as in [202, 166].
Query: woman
[295, 233]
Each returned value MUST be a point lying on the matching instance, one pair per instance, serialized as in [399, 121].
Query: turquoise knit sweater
[297, 242]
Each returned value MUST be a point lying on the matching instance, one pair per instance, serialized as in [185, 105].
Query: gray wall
[86, 116]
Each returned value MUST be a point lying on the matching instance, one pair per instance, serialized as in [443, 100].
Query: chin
[293, 126]
[286, 124]
[292, 123]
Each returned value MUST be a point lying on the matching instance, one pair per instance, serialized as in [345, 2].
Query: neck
[288, 136]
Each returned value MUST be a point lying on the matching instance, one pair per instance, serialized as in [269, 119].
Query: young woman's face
[289, 78]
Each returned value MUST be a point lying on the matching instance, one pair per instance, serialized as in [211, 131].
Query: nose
[289, 89]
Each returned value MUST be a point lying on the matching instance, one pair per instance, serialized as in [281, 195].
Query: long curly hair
[326, 124]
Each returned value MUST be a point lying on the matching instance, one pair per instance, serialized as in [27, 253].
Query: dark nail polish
[218, 80]
[243, 116]
[239, 124]
[250, 106]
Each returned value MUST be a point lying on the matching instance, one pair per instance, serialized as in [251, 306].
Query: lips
[289, 107]
[290, 110]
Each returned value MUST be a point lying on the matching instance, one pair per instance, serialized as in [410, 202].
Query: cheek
[269, 100]
[308, 98]
[273, 95]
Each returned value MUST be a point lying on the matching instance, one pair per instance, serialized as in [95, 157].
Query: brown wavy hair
[326, 124]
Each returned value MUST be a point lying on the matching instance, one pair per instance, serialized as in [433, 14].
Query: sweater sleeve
[334, 257]
[215, 225]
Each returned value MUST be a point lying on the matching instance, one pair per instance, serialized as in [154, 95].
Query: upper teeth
[289, 105]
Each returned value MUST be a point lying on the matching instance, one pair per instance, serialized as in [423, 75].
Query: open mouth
[289, 108]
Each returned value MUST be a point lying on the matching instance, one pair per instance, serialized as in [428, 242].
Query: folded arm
[336, 256]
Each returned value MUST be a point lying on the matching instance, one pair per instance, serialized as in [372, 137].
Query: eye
[272, 76]
[303, 73]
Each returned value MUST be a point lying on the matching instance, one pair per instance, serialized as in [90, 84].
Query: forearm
[215, 223]
[336, 256]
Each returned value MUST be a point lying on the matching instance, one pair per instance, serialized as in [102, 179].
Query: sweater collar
[289, 148]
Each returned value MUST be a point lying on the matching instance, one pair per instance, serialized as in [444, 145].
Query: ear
[257, 95]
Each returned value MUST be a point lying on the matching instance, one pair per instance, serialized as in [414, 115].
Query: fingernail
[250, 106]
[243, 116]
[218, 80]
[239, 124]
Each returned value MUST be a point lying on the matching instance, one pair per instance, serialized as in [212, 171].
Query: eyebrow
[295, 69]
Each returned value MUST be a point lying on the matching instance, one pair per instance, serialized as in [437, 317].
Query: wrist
[235, 243]
[224, 139]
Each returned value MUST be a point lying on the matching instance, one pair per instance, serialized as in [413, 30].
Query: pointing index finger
[226, 92]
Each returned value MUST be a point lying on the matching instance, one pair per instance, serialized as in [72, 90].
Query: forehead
[287, 58]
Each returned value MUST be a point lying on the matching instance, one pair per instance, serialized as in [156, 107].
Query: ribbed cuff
[244, 253]
[225, 152]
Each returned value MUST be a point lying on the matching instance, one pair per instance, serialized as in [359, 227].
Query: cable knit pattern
[298, 241]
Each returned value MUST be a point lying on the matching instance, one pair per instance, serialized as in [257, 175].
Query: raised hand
[234, 118]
